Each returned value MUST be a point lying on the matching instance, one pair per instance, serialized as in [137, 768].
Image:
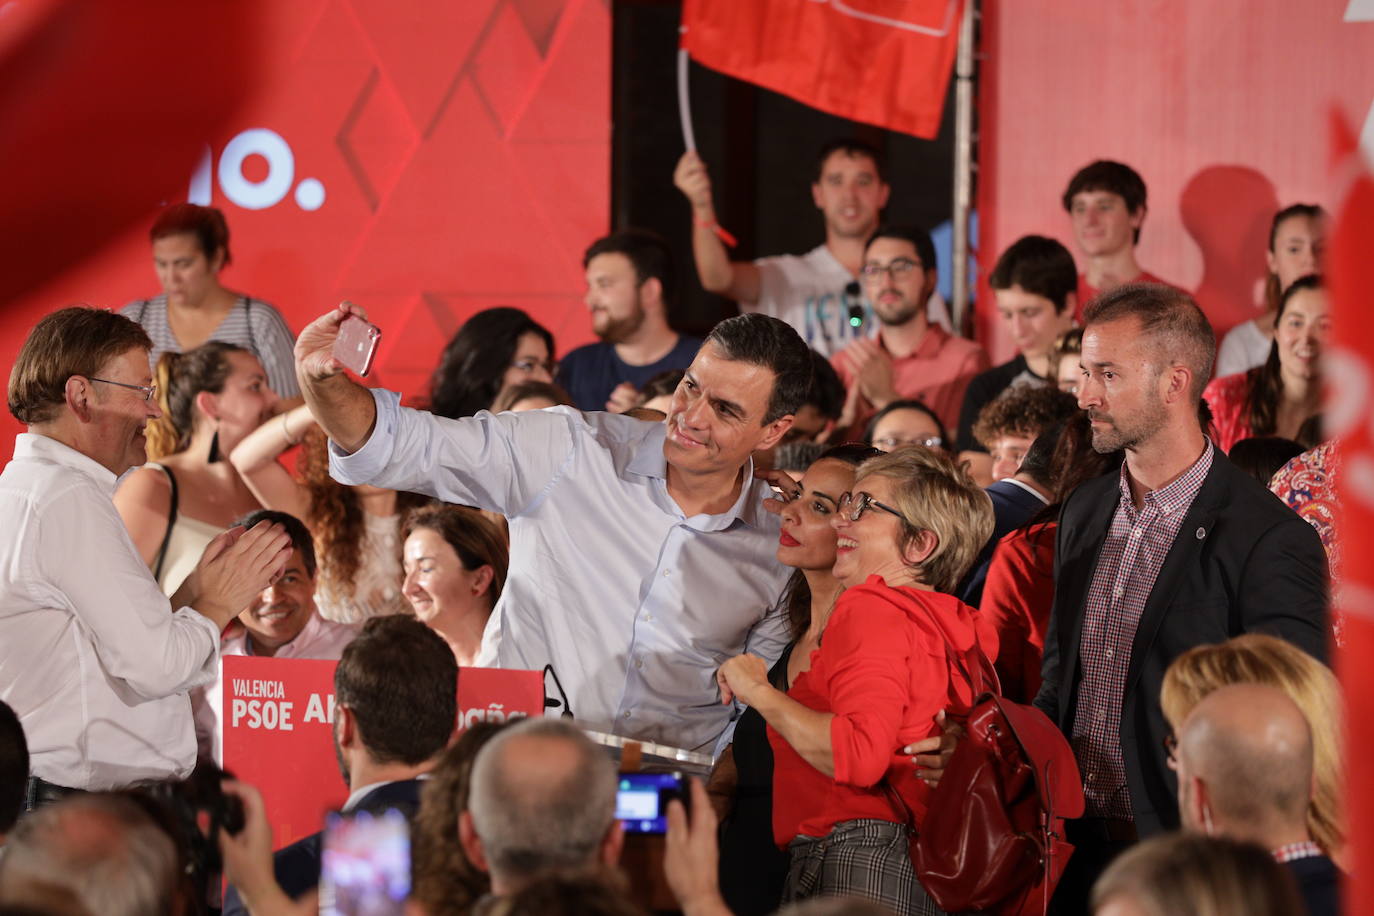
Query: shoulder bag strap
[171, 522]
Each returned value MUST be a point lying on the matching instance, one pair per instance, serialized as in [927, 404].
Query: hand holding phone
[356, 346]
[365, 866]
[641, 801]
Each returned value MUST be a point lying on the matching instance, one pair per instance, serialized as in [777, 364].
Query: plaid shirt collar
[1294, 851]
[1171, 497]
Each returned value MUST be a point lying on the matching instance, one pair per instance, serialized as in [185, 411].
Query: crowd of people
[781, 545]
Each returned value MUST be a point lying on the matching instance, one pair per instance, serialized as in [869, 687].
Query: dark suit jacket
[1012, 507]
[1318, 882]
[298, 866]
[1243, 562]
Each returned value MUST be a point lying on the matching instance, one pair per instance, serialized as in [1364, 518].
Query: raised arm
[342, 407]
[739, 280]
[255, 458]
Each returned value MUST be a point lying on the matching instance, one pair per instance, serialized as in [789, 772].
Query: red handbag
[992, 839]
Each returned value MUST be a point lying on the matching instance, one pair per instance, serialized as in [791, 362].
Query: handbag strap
[171, 522]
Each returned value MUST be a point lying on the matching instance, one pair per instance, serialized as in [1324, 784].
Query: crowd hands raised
[772, 546]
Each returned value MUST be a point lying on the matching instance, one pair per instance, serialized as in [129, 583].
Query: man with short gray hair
[542, 799]
[100, 849]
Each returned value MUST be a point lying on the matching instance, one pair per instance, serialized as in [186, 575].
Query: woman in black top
[752, 868]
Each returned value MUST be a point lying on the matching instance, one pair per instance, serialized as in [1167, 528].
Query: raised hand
[692, 180]
[315, 345]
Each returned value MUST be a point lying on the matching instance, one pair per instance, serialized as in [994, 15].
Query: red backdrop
[1221, 107]
[462, 151]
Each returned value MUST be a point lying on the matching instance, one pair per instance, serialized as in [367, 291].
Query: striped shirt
[251, 323]
[1292, 852]
[1127, 567]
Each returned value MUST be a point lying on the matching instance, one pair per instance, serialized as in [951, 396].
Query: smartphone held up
[356, 346]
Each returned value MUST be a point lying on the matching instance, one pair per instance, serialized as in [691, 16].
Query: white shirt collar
[46, 448]
[1028, 488]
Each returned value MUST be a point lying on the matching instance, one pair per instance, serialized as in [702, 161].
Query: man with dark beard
[395, 693]
[908, 358]
[1179, 549]
[629, 288]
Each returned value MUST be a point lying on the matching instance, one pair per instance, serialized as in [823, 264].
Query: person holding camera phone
[93, 658]
[641, 552]
[844, 793]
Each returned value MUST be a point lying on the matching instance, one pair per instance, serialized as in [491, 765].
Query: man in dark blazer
[395, 693]
[1179, 549]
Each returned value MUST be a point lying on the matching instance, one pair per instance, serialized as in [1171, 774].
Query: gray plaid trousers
[865, 858]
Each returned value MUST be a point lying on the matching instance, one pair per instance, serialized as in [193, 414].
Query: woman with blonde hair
[1256, 658]
[1204, 876]
[844, 796]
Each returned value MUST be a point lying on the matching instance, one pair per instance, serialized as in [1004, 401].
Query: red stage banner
[498, 695]
[276, 728]
[1350, 418]
[883, 62]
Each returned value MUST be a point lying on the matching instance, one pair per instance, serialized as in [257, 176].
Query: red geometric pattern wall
[424, 158]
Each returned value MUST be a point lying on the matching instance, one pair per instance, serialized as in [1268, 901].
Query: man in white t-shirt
[818, 293]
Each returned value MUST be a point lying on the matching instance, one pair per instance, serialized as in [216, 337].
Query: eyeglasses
[899, 267]
[529, 364]
[149, 391]
[861, 504]
[888, 443]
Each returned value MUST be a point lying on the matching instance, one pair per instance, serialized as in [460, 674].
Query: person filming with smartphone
[641, 553]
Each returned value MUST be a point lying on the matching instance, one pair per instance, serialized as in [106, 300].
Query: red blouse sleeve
[868, 647]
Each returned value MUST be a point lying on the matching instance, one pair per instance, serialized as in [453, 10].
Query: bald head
[1251, 747]
[542, 797]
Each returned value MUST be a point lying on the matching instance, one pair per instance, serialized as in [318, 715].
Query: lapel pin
[1201, 533]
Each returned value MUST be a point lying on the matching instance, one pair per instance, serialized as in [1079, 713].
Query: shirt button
[666, 573]
[1116, 593]
[626, 714]
[639, 663]
[1135, 532]
[1110, 653]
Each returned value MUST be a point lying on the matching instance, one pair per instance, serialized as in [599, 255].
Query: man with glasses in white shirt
[642, 555]
[93, 658]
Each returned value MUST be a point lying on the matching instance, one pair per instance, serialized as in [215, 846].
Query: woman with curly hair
[357, 529]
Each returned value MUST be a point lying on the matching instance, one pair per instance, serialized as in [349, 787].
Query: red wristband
[719, 230]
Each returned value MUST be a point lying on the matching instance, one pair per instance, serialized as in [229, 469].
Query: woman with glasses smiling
[496, 349]
[844, 793]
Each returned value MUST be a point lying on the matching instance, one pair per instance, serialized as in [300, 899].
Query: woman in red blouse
[1281, 397]
[843, 791]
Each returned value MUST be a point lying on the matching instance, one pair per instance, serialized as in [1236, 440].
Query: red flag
[883, 62]
[1349, 371]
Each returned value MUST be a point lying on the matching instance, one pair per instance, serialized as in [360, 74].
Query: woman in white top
[190, 249]
[211, 397]
[1297, 241]
[456, 564]
[357, 529]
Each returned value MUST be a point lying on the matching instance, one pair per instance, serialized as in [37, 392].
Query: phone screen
[641, 801]
[365, 867]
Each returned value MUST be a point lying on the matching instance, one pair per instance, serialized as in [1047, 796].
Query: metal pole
[961, 313]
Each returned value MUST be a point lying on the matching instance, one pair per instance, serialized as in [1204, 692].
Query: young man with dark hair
[93, 658]
[814, 292]
[281, 621]
[1033, 283]
[1105, 201]
[906, 358]
[630, 286]
[641, 553]
[1179, 549]
[396, 701]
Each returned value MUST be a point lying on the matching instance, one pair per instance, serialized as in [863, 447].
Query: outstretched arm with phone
[344, 409]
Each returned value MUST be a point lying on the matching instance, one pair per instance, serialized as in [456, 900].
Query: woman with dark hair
[211, 398]
[190, 249]
[906, 423]
[357, 529]
[1019, 589]
[1297, 241]
[845, 797]
[493, 350]
[1282, 397]
[455, 564]
[752, 868]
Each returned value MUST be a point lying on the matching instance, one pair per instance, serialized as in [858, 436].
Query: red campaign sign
[498, 695]
[276, 723]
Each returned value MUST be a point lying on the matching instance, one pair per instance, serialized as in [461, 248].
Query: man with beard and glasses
[642, 554]
[908, 358]
[1178, 549]
[396, 701]
[629, 289]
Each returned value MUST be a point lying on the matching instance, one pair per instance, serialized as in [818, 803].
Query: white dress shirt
[92, 657]
[633, 603]
[319, 638]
